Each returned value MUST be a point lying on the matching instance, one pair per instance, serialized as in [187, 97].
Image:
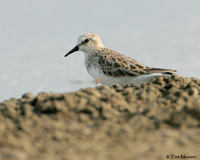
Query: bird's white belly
[108, 80]
[95, 72]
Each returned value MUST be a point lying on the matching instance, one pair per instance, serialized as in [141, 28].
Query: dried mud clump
[146, 121]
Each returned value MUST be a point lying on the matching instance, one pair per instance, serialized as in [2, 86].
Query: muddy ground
[156, 120]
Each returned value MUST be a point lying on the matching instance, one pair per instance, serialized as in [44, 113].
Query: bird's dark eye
[86, 40]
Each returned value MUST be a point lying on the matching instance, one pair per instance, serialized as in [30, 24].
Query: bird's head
[88, 43]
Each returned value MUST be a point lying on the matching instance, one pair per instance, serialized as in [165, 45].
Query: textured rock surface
[147, 121]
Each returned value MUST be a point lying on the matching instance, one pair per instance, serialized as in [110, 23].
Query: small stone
[193, 92]
[28, 96]
[175, 76]
[168, 86]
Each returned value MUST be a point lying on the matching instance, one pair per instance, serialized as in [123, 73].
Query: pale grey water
[35, 36]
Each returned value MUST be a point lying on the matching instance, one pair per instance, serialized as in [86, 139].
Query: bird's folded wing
[118, 65]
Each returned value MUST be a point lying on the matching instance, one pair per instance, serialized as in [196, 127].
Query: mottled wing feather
[118, 65]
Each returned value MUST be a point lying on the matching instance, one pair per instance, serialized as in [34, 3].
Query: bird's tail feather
[160, 70]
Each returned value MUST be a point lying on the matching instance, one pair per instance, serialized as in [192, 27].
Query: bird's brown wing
[118, 65]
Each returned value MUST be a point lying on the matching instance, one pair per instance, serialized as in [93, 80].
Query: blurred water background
[35, 36]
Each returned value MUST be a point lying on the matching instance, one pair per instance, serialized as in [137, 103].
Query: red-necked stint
[109, 67]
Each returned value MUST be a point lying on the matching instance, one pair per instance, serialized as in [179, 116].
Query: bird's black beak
[76, 48]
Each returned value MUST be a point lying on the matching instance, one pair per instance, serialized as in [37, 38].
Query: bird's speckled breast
[92, 65]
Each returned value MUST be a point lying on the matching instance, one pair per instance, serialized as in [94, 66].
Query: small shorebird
[109, 67]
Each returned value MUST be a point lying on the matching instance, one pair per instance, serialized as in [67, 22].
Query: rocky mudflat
[157, 120]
